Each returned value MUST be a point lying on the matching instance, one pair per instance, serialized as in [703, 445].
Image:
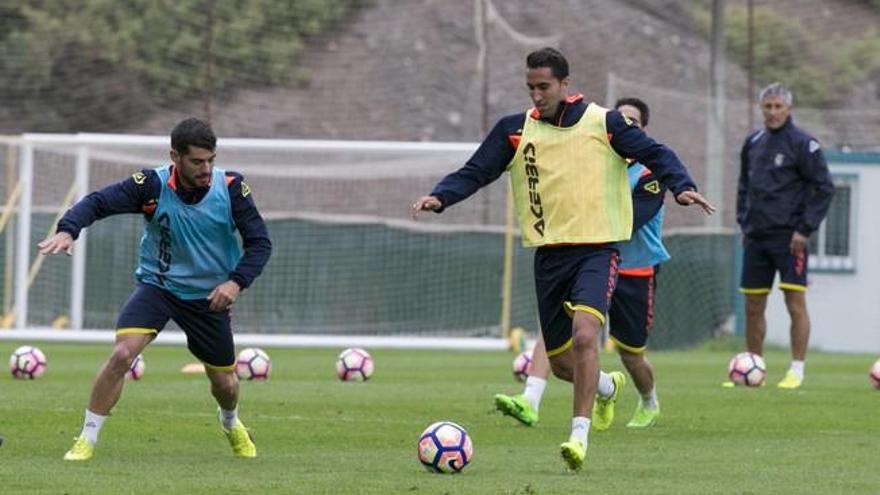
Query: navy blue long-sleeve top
[647, 200]
[784, 183]
[140, 193]
[498, 149]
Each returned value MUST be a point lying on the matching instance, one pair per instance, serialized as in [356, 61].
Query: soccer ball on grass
[747, 368]
[521, 365]
[27, 362]
[354, 365]
[253, 364]
[875, 374]
[445, 447]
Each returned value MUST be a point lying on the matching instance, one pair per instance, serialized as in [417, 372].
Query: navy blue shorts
[208, 333]
[764, 256]
[631, 314]
[569, 279]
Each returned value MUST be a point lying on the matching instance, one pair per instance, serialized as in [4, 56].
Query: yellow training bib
[569, 185]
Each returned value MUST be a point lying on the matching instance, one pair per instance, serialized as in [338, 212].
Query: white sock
[649, 400]
[227, 418]
[534, 391]
[606, 385]
[92, 425]
[580, 429]
[797, 367]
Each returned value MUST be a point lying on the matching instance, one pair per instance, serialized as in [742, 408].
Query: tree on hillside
[71, 65]
[820, 74]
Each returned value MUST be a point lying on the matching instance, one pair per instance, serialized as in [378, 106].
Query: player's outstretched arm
[688, 198]
[426, 203]
[629, 140]
[54, 244]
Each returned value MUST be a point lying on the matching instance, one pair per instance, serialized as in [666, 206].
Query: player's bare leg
[224, 388]
[540, 366]
[107, 387]
[796, 303]
[562, 365]
[756, 323]
[639, 369]
[524, 407]
[106, 391]
[642, 373]
[585, 347]
[585, 375]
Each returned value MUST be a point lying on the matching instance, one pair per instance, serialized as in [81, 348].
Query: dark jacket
[784, 183]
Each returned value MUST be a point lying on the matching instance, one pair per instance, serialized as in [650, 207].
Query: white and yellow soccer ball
[27, 363]
[875, 375]
[747, 368]
[138, 366]
[253, 364]
[354, 365]
[445, 447]
[522, 363]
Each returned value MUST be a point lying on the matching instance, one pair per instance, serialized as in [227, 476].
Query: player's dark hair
[635, 102]
[192, 132]
[549, 57]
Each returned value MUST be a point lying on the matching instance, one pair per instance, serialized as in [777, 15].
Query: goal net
[347, 258]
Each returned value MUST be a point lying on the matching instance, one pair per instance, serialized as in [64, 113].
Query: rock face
[431, 70]
[412, 71]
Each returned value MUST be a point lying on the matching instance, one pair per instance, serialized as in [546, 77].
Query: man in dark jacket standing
[783, 194]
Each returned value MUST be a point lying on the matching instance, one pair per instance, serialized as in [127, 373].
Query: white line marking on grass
[249, 416]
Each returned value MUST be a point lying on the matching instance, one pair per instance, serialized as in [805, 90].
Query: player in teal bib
[645, 248]
[191, 270]
[189, 249]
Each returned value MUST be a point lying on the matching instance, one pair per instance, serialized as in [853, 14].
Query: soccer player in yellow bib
[568, 172]
[631, 313]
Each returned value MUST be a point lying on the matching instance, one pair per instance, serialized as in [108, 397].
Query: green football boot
[518, 407]
[644, 417]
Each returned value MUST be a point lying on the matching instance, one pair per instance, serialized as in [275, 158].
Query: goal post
[347, 258]
[349, 264]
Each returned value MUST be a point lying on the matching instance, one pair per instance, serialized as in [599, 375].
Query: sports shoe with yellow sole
[603, 409]
[644, 417]
[573, 453]
[240, 440]
[791, 381]
[82, 450]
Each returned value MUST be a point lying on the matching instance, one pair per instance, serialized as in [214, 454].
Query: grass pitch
[318, 435]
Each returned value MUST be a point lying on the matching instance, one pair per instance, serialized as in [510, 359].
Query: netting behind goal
[347, 259]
